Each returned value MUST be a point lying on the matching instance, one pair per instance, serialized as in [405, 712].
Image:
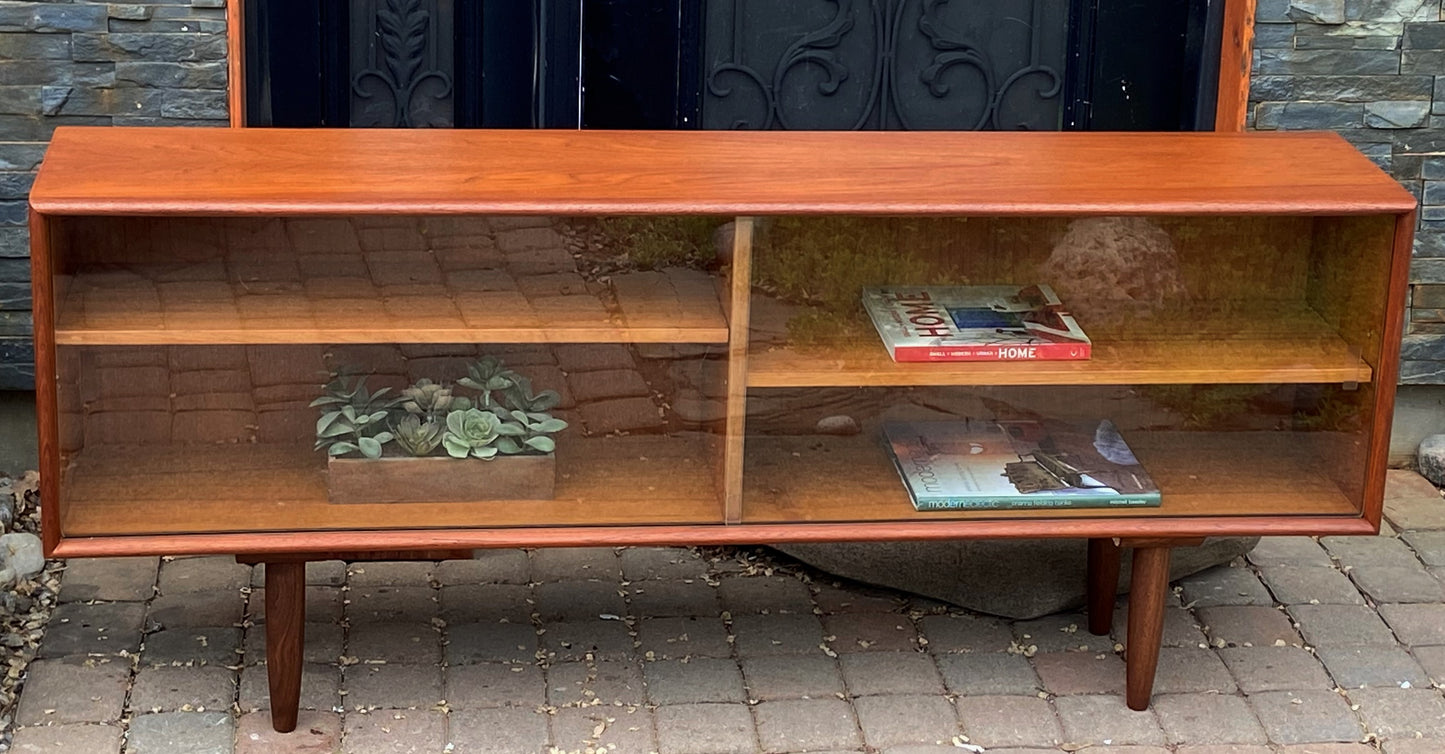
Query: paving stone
[73, 690]
[765, 594]
[487, 567]
[323, 604]
[1401, 713]
[395, 686]
[1259, 669]
[1357, 667]
[621, 415]
[857, 598]
[109, 579]
[1181, 628]
[991, 673]
[794, 725]
[777, 634]
[579, 600]
[191, 732]
[1228, 749]
[1185, 669]
[673, 638]
[1224, 585]
[1207, 718]
[1064, 632]
[1416, 625]
[608, 682]
[646, 563]
[1408, 746]
[607, 384]
[705, 729]
[1386, 552]
[898, 719]
[1310, 586]
[206, 574]
[322, 643]
[771, 677]
[1095, 719]
[672, 598]
[1080, 672]
[587, 640]
[198, 646]
[1432, 659]
[418, 604]
[404, 643]
[64, 739]
[491, 642]
[872, 673]
[1389, 584]
[697, 680]
[592, 357]
[317, 732]
[965, 633]
[1429, 546]
[102, 628]
[167, 689]
[408, 732]
[999, 721]
[576, 564]
[1289, 551]
[181, 610]
[320, 688]
[486, 603]
[1297, 717]
[871, 632]
[390, 573]
[1411, 502]
[1322, 625]
[1249, 626]
[575, 729]
[493, 684]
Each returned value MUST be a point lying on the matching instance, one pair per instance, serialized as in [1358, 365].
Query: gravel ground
[26, 609]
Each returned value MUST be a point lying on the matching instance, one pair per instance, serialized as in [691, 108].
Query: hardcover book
[975, 323]
[975, 463]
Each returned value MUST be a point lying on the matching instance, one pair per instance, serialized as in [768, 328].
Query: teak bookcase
[1244, 291]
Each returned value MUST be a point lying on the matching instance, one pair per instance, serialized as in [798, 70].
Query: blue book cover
[978, 463]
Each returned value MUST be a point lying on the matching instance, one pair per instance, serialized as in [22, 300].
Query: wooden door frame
[1232, 99]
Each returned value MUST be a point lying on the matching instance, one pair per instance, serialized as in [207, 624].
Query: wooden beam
[1235, 59]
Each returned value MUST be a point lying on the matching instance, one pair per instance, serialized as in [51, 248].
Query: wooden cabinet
[694, 298]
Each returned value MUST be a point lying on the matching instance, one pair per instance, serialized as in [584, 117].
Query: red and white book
[975, 323]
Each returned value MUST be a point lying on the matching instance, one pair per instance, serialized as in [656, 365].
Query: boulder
[1014, 578]
[22, 552]
[1431, 455]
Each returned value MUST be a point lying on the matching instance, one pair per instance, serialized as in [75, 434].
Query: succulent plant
[426, 398]
[352, 418]
[418, 437]
[486, 376]
[524, 432]
[471, 433]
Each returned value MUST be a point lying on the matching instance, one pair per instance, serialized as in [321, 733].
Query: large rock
[1431, 457]
[1015, 578]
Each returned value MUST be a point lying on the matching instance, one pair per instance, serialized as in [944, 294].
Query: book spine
[1038, 352]
[1012, 503]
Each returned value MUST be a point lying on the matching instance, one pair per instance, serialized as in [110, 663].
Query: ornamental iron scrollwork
[401, 64]
[885, 64]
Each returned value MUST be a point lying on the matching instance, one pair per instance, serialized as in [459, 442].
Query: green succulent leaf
[384, 437]
[487, 453]
[327, 400]
[455, 447]
[544, 444]
[377, 416]
[370, 447]
[349, 412]
[471, 383]
[508, 446]
[511, 429]
[341, 448]
[549, 425]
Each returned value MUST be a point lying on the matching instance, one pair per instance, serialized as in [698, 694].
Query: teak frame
[259, 173]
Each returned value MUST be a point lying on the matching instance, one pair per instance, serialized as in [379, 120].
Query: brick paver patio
[1334, 646]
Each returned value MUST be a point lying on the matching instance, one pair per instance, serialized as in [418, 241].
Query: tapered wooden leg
[285, 632]
[1103, 584]
[1146, 622]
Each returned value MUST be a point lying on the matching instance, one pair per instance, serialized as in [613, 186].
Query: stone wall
[90, 63]
[1373, 70]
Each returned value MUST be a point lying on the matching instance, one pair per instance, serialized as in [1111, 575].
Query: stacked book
[975, 323]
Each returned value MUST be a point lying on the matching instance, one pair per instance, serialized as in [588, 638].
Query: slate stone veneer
[1373, 70]
[90, 63]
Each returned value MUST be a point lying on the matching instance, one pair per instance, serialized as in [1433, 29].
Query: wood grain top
[300, 172]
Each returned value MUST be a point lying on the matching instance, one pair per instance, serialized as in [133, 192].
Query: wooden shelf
[156, 305]
[852, 479]
[268, 488]
[1283, 344]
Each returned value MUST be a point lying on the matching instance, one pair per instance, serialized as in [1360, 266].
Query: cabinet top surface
[203, 171]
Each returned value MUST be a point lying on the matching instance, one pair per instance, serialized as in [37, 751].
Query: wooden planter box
[440, 479]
